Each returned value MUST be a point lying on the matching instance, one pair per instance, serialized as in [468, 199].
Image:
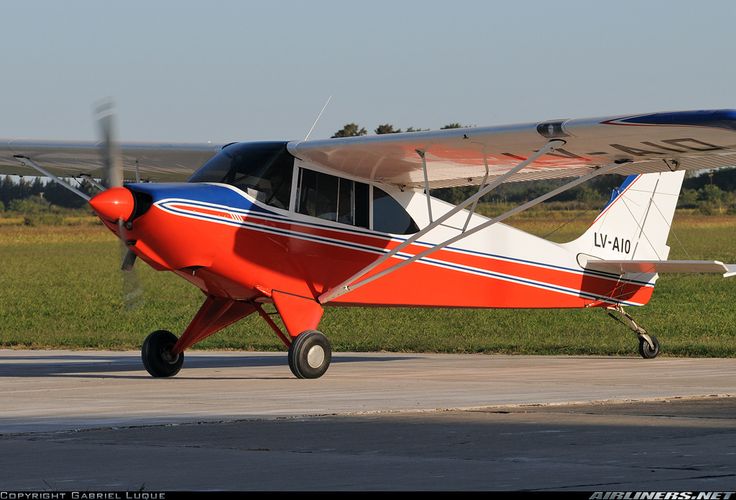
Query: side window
[362, 205]
[332, 198]
[317, 195]
[389, 216]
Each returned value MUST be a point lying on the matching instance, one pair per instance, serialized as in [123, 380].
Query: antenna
[318, 117]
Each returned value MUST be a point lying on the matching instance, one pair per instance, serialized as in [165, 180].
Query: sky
[224, 71]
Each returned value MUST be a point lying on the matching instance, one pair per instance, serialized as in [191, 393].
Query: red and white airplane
[351, 222]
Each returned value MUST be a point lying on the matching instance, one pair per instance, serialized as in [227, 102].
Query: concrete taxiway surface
[85, 419]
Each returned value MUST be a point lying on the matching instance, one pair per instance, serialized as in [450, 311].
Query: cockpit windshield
[264, 170]
[261, 169]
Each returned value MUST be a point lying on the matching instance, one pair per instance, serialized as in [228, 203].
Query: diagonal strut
[348, 285]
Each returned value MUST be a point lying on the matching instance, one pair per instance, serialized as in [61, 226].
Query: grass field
[61, 288]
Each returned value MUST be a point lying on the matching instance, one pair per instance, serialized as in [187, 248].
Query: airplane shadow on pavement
[122, 366]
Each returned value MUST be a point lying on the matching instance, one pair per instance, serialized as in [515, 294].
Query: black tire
[645, 350]
[157, 357]
[310, 354]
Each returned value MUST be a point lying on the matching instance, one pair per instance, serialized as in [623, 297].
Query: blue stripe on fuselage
[203, 192]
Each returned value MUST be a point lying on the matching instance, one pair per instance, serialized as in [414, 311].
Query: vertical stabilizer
[636, 221]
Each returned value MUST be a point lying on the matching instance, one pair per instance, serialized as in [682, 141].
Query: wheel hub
[316, 356]
[648, 342]
[169, 356]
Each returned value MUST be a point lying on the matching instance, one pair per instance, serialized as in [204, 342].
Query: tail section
[636, 222]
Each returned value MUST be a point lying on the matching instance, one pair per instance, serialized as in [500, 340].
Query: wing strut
[351, 284]
[423, 156]
[27, 162]
[471, 212]
[346, 286]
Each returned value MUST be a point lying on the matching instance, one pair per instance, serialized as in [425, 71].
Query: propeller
[111, 159]
[113, 166]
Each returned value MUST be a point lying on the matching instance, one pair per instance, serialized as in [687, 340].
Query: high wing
[684, 140]
[159, 162]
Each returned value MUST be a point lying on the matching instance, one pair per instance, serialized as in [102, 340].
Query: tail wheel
[310, 355]
[647, 351]
[157, 356]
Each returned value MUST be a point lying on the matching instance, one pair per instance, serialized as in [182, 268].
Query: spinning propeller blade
[113, 163]
[108, 145]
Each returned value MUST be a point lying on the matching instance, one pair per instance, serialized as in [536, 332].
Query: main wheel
[310, 355]
[157, 356]
[645, 350]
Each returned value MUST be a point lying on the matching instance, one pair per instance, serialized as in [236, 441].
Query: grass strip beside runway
[61, 288]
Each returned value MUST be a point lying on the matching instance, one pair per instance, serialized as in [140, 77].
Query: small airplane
[351, 221]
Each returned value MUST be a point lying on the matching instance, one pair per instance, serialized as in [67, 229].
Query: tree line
[354, 130]
[14, 192]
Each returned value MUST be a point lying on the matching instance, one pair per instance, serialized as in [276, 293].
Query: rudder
[636, 221]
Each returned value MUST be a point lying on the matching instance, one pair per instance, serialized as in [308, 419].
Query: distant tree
[350, 130]
[414, 129]
[712, 193]
[386, 128]
[688, 199]
[6, 190]
[714, 200]
[57, 194]
[30, 205]
[23, 188]
[37, 187]
[724, 179]
[452, 125]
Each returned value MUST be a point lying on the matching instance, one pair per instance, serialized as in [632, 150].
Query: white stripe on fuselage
[249, 223]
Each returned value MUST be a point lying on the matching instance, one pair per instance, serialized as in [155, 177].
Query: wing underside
[687, 140]
[659, 142]
[160, 162]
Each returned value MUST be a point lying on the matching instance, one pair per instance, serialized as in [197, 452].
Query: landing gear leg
[310, 352]
[648, 344]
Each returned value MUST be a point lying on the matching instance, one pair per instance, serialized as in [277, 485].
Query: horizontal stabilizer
[662, 266]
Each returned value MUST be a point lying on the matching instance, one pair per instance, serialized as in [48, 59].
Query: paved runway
[88, 419]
